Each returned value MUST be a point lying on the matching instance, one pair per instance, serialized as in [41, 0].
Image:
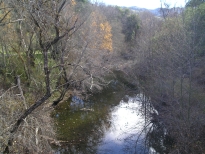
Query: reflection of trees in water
[152, 138]
[84, 137]
[159, 139]
[87, 145]
[138, 143]
[83, 130]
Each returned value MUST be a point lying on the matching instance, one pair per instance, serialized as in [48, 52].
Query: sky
[149, 4]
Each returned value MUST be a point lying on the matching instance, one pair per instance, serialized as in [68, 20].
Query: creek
[110, 122]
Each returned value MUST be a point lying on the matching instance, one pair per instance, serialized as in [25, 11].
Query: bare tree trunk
[21, 91]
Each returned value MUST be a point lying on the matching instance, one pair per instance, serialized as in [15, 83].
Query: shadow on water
[159, 139]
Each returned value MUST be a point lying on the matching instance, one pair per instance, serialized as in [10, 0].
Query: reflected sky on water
[126, 122]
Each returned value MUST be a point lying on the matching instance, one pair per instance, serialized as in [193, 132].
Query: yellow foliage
[73, 2]
[107, 36]
[99, 32]
[102, 27]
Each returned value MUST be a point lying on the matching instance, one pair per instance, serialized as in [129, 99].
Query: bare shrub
[33, 135]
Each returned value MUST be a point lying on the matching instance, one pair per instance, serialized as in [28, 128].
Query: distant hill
[156, 12]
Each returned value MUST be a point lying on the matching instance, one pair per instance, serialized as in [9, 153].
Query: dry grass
[33, 134]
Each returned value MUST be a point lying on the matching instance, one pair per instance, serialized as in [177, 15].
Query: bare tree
[44, 17]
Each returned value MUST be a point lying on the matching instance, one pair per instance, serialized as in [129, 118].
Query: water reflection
[76, 103]
[126, 128]
[106, 124]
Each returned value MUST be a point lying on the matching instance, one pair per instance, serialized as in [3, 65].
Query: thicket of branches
[169, 65]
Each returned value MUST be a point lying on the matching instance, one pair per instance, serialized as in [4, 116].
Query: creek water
[111, 122]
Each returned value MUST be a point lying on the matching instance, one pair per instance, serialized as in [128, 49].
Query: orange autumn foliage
[99, 32]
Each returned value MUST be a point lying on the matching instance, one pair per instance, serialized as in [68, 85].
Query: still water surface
[109, 123]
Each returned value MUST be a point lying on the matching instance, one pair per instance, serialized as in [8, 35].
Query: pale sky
[149, 4]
